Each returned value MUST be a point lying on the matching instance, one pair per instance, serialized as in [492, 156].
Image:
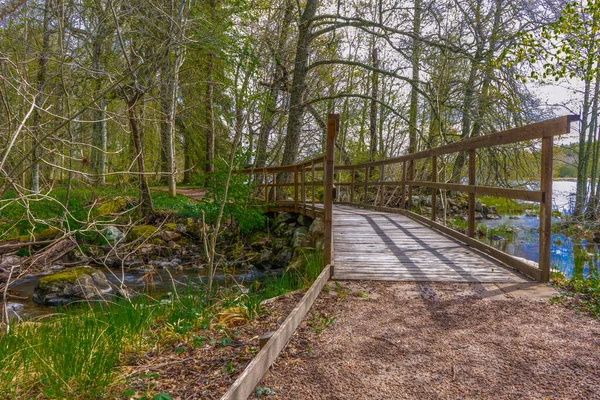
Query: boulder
[300, 237]
[141, 232]
[491, 213]
[283, 218]
[262, 260]
[113, 234]
[258, 240]
[71, 284]
[317, 226]
[304, 220]
[283, 258]
[285, 230]
[279, 243]
[479, 206]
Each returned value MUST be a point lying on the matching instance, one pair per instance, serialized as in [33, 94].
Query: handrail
[323, 176]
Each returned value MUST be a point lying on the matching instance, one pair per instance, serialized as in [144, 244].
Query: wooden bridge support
[333, 125]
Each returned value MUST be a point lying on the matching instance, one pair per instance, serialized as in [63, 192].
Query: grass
[49, 210]
[77, 353]
[507, 206]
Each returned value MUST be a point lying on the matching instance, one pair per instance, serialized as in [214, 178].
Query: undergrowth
[78, 352]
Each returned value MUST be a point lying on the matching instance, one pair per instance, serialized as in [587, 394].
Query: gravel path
[385, 340]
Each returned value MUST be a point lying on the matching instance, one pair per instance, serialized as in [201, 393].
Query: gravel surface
[385, 340]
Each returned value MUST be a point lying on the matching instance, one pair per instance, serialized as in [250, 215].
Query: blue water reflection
[525, 241]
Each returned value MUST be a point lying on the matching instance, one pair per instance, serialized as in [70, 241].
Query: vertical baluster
[381, 186]
[472, 182]
[434, 191]
[403, 194]
[353, 177]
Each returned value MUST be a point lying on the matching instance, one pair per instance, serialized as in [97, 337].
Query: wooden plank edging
[244, 385]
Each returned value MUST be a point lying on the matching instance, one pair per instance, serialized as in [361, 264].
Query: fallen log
[51, 254]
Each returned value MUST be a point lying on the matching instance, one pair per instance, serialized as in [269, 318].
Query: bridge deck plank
[374, 245]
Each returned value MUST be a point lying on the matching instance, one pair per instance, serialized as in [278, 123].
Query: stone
[304, 220]
[497, 237]
[514, 217]
[317, 226]
[13, 309]
[479, 206]
[170, 236]
[283, 258]
[113, 234]
[279, 243]
[478, 216]
[262, 260]
[283, 218]
[258, 240]
[71, 284]
[141, 232]
[300, 237]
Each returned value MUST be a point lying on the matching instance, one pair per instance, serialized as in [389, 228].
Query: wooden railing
[399, 173]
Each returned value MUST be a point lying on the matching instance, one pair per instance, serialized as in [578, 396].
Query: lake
[525, 242]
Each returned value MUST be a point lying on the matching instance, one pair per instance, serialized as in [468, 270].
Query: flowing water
[564, 250]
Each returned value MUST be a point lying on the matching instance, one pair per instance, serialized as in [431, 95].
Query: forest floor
[386, 340]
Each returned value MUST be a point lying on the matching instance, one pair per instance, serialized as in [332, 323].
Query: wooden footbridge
[372, 232]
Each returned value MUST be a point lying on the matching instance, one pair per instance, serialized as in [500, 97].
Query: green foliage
[567, 47]
[239, 204]
[567, 171]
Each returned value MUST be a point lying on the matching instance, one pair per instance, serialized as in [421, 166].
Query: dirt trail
[384, 340]
[196, 194]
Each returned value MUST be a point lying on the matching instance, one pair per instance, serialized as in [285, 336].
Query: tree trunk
[294, 127]
[414, 94]
[99, 135]
[278, 83]
[373, 110]
[210, 117]
[136, 133]
[39, 100]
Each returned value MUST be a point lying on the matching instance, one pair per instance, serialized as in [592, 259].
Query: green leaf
[162, 396]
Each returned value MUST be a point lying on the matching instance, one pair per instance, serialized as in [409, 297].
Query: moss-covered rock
[259, 240]
[141, 232]
[112, 206]
[71, 284]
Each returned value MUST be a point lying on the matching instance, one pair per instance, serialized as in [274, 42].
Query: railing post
[433, 190]
[303, 194]
[381, 186]
[403, 198]
[472, 182]
[411, 177]
[333, 122]
[353, 172]
[265, 183]
[312, 181]
[546, 207]
[296, 189]
[366, 184]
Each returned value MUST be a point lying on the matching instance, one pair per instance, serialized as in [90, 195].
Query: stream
[155, 283]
